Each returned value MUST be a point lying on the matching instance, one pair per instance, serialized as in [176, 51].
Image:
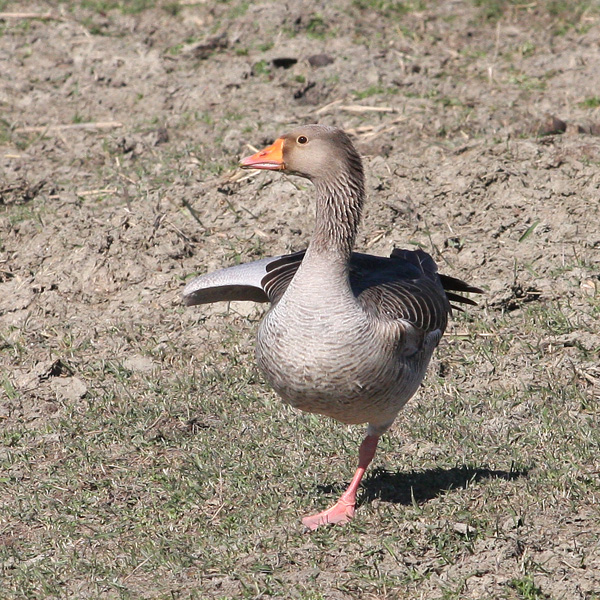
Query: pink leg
[343, 510]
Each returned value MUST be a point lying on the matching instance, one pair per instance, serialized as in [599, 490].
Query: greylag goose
[348, 335]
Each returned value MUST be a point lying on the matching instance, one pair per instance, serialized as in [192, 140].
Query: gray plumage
[348, 335]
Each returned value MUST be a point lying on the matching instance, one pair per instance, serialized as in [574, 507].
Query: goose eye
[302, 139]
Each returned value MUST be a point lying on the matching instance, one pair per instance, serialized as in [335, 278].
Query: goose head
[318, 152]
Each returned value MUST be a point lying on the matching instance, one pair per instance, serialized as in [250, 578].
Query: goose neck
[338, 213]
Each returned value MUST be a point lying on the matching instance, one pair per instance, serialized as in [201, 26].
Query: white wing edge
[242, 282]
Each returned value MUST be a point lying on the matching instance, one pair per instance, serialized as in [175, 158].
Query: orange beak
[270, 158]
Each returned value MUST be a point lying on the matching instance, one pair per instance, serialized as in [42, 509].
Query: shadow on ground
[406, 488]
[420, 486]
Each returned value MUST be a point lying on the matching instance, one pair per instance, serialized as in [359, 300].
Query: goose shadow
[408, 487]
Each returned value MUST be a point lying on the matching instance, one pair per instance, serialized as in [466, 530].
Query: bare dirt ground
[141, 455]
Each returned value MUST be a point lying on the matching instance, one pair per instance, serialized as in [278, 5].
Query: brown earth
[120, 128]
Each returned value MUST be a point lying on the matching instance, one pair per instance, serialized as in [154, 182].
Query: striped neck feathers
[338, 211]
